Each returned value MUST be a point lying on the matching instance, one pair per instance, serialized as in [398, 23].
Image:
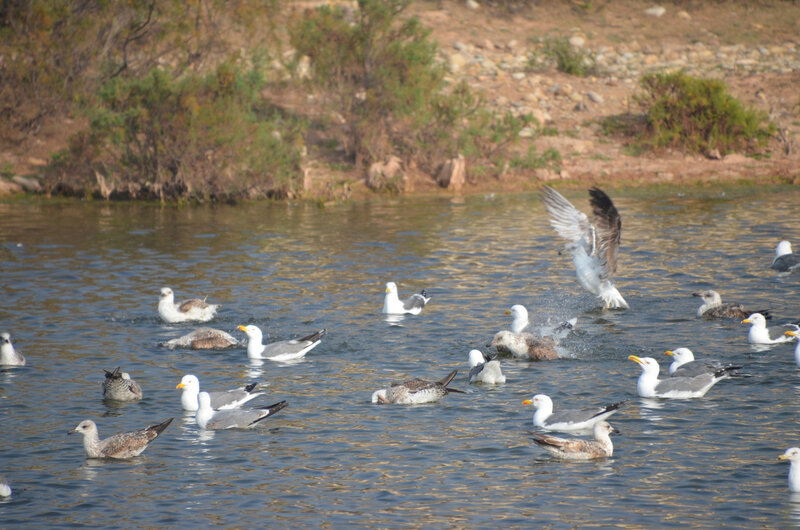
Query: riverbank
[754, 49]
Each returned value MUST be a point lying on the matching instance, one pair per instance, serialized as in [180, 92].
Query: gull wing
[570, 223]
[608, 225]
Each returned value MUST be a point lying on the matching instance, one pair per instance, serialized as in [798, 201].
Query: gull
[759, 334]
[188, 310]
[483, 369]
[578, 449]
[650, 386]
[593, 246]
[203, 339]
[796, 334]
[583, 419]
[415, 391]
[520, 318]
[123, 445]
[394, 306]
[793, 456]
[210, 419]
[785, 260]
[5, 487]
[520, 323]
[684, 364]
[229, 399]
[118, 386]
[524, 346]
[8, 355]
[714, 308]
[284, 350]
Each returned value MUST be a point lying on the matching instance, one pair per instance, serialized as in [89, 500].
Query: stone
[576, 41]
[36, 162]
[527, 132]
[472, 4]
[594, 97]
[456, 62]
[682, 14]
[655, 11]
[452, 176]
[519, 76]
[26, 183]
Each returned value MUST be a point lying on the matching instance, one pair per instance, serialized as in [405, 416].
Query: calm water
[80, 287]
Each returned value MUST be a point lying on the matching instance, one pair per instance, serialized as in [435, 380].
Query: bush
[565, 57]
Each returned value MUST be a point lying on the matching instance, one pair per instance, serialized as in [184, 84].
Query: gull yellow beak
[241, 328]
[635, 359]
[180, 385]
[508, 311]
[527, 402]
[792, 333]
[746, 321]
[668, 352]
[783, 457]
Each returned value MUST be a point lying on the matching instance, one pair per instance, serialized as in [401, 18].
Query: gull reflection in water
[394, 320]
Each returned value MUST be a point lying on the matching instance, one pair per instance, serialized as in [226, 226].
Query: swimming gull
[795, 334]
[583, 419]
[5, 487]
[524, 346]
[229, 399]
[210, 419]
[714, 308]
[394, 306]
[520, 318]
[593, 246]
[415, 391]
[203, 339]
[188, 310]
[483, 369]
[650, 386]
[118, 386]
[123, 445]
[759, 334]
[284, 350]
[684, 364]
[785, 260]
[578, 449]
[8, 355]
[793, 456]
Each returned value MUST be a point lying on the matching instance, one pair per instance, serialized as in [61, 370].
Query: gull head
[792, 454]
[540, 401]
[252, 332]
[477, 357]
[85, 427]
[166, 293]
[682, 355]
[189, 382]
[391, 287]
[603, 428]
[709, 297]
[648, 364]
[756, 319]
[783, 248]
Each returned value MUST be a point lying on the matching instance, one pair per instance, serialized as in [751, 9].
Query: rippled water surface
[80, 286]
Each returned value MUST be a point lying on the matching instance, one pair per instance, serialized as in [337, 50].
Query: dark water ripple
[80, 287]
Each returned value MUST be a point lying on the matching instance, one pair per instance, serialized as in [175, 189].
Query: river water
[80, 284]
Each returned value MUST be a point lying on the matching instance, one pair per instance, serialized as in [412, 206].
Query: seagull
[650, 386]
[793, 456]
[483, 369]
[593, 247]
[208, 418]
[5, 487]
[229, 399]
[520, 320]
[8, 355]
[525, 346]
[685, 365]
[189, 310]
[583, 419]
[796, 334]
[759, 334]
[124, 445]
[714, 308]
[394, 306]
[284, 350]
[118, 386]
[577, 449]
[203, 339]
[785, 260]
[415, 391]
[520, 323]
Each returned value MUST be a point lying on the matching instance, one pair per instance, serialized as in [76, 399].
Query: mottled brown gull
[415, 391]
[579, 449]
[713, 307]
[123, 445]
[204, 339]
[524, 345]
[195, 309]
[118, 386]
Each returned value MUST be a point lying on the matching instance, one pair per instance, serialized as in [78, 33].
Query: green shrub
[565, 57]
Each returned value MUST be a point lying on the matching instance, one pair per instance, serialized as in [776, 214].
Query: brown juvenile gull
[230, 399]
[525, 346]
[684, 364]
[593, 246]
[119, 386]
[210, 419]
[578, 449]
[203, 339]
[415, 391]
[583, 419]
[714, 308]
[785, 260]
[123, 445]
[8, 355]
[412, 305]
[483, 369]
[188, 310]
[284, 350]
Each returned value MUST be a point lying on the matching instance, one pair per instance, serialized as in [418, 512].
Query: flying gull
[785, 260]
[8, 355]
[229, 399]
[759, 334]
[284, 350]
[415, 391]
[684, 364]
[189, 310]
[394, 306]
[593, 246]
[793, 456]
[118, 386]
[123, 445]
[203, 339]
[650, 386]
[210, 419]
[483, 369]
[524, 346]
[578, 449]
[583, 419]
[714, 308]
